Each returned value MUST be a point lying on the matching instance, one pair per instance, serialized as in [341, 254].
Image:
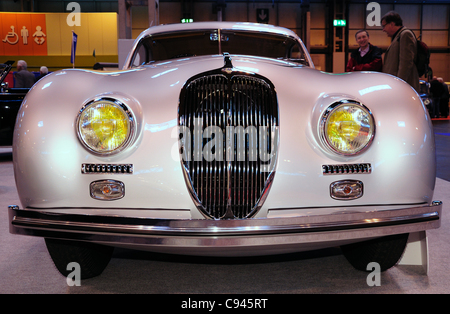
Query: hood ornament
[228, 66]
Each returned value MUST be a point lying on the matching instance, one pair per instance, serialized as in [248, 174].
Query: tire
[92, 257]
[385, 251]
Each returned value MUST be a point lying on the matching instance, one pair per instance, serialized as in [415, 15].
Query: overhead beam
[125, 17]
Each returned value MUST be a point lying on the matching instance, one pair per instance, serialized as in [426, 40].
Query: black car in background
[425, 94]
[10, 101]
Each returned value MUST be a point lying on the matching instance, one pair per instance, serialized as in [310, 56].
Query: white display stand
[124, 46]
[416, 252]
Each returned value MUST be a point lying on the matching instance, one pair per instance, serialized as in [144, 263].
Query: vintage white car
[222, 139]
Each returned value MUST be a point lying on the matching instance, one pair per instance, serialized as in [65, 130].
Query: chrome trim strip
[364, 168]
[107, 168]
[126, 229]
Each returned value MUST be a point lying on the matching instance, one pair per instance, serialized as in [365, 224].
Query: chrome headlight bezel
[370, 129]
[128, 114]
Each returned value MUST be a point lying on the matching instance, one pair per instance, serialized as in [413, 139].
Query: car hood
[158, 85]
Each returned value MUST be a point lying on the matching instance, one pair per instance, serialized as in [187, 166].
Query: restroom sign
[23, 34]
[262, 16]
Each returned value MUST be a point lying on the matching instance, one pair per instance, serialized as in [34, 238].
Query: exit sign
[339, 22]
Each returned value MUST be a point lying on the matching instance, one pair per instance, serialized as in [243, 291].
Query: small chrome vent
[107, 168]
[346, 169]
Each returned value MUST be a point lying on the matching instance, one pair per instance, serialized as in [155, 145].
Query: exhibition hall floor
[26, 267]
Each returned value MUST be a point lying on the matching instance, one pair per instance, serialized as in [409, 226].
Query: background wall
[430, 21]
[48, 39]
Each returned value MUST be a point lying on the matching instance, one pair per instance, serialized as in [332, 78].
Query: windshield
[187, 44]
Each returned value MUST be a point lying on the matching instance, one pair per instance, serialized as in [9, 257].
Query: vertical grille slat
[237, 103]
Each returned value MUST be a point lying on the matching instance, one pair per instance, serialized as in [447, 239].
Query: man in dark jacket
[367, 57]
[23, 77]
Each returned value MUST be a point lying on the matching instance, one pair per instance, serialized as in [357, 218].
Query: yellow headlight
[105, 126]
[347, 127]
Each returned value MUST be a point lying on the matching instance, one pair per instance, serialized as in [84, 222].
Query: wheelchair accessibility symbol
[12, 37]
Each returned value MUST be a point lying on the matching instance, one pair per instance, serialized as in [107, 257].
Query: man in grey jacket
[399, 58]
[23, 77]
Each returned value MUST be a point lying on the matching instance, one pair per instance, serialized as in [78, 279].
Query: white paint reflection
[165, 72]
[47, 85]
[160, 126]
[373, 89]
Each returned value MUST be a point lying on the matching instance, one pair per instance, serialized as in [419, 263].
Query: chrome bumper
[226, 237]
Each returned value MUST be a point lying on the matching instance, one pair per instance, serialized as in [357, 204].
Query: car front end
[226, 155]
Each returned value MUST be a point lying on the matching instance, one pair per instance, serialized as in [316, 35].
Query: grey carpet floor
[25, 266]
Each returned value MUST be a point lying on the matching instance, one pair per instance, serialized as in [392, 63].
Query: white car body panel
[300, 155]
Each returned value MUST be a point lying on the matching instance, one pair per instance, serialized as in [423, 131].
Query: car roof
[244, 26]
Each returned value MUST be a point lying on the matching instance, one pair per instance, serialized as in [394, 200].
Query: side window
[296, 53]
[140, 56]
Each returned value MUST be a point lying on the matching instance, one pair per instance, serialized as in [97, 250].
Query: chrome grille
[227, 121]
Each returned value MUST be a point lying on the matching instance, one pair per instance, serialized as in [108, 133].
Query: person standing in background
[400, 57]
[367, 57]
[43, 71]
[23, 77]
